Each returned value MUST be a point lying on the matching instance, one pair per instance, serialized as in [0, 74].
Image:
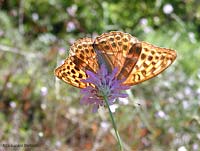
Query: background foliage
[35, 108]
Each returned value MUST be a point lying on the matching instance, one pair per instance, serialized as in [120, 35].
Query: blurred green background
[36, 108]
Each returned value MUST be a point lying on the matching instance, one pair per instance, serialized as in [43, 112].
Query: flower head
[103, 84]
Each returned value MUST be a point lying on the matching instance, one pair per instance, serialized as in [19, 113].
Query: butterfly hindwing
[131, 59]
[71, 74]
[152, 61]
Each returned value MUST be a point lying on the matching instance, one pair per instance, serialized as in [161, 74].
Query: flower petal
[105, 83]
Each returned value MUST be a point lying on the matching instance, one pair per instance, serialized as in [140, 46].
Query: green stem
[113, 123]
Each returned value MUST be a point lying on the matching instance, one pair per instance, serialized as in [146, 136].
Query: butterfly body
[135, 60]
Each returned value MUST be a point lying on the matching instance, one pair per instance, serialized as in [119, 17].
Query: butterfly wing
[81, 58]
[136, 61]
[112, 49]
[152, 61]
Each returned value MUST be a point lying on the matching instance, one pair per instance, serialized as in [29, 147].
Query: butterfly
[136, 61]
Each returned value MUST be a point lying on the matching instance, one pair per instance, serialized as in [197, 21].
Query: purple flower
[103, 84]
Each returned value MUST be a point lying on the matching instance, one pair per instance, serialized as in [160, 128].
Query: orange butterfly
[136, 61]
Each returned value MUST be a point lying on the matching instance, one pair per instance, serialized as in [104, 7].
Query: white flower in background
[9, 85]
[105, 125]
[13, 104]
[148, 29]
[198, 136]
[72, 10]
[186, 138]
[43, 106]
[191, 82]
[145, 141]
[171, 130]
[180, 95]
[192, 38]
[143, 21]
[185, 105]
[61, 51]
[182, 148]
[44, 91]
[198, 91]
[168, 9]
[124, 101]
[195, 146]
[71, 40]
[144, 25]
[35, 16]
[70, 26]
[41, 134]
[161, 114]
[113, 107]
[188, 91]
[47, 38]
[58, 143]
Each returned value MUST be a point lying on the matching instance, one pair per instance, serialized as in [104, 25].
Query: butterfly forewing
[152, 61]
[113, 48]
[81, 58]
[85, 55]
